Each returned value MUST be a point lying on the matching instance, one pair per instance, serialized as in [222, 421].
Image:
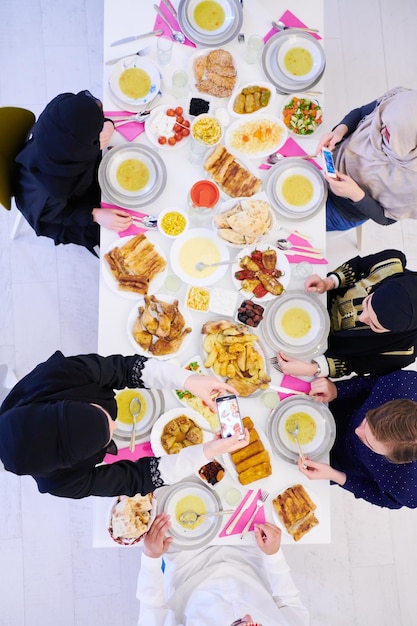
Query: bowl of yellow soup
[299, 60]
[210, 17]
[198, 244]
[316, 428]
[172, 222]
[152, 404]
[132, 173]
[135, 80]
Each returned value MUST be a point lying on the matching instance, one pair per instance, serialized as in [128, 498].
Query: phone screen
[229, 415]
[328, 162]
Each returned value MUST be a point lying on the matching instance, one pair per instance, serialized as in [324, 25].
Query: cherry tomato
[179, 119]
[162, 140]
[170, 112]
[178, 136]
[177, 128]
[179, 111]
[185, 132]
[172, 141]
[186, 123]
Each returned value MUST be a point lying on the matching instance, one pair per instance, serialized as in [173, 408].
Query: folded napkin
[289, 19]
[133, 229]
[303, 255]
[124, 454]
[289, 149]
[291, 382]
[129, 130]
[159, 23]
[259, 518]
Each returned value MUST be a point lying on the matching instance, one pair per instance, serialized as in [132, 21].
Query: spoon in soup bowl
[190, 517]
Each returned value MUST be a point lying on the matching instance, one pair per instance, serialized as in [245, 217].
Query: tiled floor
[49, 574]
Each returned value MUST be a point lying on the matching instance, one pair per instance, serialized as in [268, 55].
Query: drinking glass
[254, 47]
[179, 84]
[164, 50]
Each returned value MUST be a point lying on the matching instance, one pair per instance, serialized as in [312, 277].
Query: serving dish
[162, 421]
[249, 237]
[124, 541]
[263, 85]
[256, 135]
[302, 115]
[317, 511]
[159, 124]
[198, 244]
[282, 264]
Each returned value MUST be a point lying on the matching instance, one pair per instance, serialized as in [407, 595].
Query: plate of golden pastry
[253, 462]
[234, 353]
[296, 510]
[213, 72]
[232, 176]
[159, 327]
[177, 429]
[134, 266]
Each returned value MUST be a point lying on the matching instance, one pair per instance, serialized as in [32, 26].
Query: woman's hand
[230, 444]
[317, 284]
[323, 390]
[295, 367]
[331, 139]
[268, 537]
[113, 219]
[207, 388]
[106, 134]
[345, 187]
[320, 471]
[155, 543]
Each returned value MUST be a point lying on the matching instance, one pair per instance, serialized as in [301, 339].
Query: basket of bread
[130, 518]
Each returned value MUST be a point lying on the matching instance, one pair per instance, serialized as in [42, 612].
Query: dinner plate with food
[244, 221]
[316, 428]
[135, 80]
[234, 353]
[151, 403]
[256, 136]
[198, 245]
[168, 127]
[134, 265]
[130, 518]
[253, 97]
[261, 273]
[213, 72]
[177, 429]
[232, 176]
[210, 22]
[158, 326]
[253, 462]
[187, 399]
[296, 510]
[302, 115]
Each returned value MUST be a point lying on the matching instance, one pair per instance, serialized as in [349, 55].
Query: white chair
[335, 234]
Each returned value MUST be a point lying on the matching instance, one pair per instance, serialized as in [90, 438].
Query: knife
[135, 37]
[287, 390]
[242, 511]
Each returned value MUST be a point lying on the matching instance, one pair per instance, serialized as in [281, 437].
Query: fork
[274, 362]
[260, 501]
[139, 53]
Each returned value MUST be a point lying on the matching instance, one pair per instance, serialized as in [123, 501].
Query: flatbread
[130, 516]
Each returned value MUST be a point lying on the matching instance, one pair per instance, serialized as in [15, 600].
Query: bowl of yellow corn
[172, 222]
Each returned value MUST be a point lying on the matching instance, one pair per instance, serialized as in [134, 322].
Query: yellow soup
[298, 61]
[297, 190]
[190, 503]
[132, 175]
[195, 250]
[296, 323]
[209, 15]
[306, 427]
[123, 400]
[135, 83]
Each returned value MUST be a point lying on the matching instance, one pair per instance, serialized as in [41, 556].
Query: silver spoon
[190, 517]
[200, 266]
[276, 156]
[177, 35]
[284, 244]
[294, 433]
[281, 26]
[135, 408]
[148, 221]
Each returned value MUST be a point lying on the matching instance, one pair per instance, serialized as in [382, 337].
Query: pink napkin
[124, 454]
[259, 518]
[130, 130]
[303, 255]
[289, 19]
[289, 149]
[133, 229]
[291, 382]
[159, 23]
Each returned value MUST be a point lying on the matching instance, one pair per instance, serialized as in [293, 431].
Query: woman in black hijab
[57, 423]
[56, 185]
[372, 304]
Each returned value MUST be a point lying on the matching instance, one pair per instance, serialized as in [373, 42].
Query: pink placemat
[159, 23]
[124, 454]
[289, 149]
[289, 19]
[130, 130]
[133, 229]
[303, 256]
[259, 517]
[291, 382]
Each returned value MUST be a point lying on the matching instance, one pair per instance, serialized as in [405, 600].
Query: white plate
[239, 88]
[282, 264]
[225, 25]
[125, 156]
[301, 96]
[309, 48]
[132, 319]
[249, 124]
[203, 53]
[154, 406]
[317, 512]
[188, 246]
[130, 63]
[309, 311]
[216, 38]
[121, 541]
[298, 170]
[160, 423]
[151, 130]
[229, 204]
[211, 419]
[109, 278]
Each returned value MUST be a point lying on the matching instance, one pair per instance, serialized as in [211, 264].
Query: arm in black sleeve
[114, 372]
[352, 119]
[377, 363]
[359, 267]
[369, 208]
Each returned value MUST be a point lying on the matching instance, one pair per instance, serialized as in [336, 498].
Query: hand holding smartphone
[229, 416]
[328, 163]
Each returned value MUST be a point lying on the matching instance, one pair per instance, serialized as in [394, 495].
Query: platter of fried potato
[234, 353]
[158, 326]
[134, 266]
[177, 429]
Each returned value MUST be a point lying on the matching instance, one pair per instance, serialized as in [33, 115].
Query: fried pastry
[296, 510]
[255, 473]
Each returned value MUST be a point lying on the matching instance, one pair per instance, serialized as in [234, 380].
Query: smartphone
[229, 416]
[328, 162]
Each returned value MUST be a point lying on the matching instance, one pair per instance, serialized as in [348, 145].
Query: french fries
[232, 354]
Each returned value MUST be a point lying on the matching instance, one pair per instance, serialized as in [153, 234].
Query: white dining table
[123, 18]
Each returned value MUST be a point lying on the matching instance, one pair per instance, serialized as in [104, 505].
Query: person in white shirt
[217, 585]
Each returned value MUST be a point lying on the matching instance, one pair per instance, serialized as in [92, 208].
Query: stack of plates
[282, 443]
[286, 206]
[297, 324]
[275, 52]
[114, 192]
[155, 405]
[227, 31]
[134, 104]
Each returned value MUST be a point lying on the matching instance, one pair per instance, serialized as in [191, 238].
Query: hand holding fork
[260, 501]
